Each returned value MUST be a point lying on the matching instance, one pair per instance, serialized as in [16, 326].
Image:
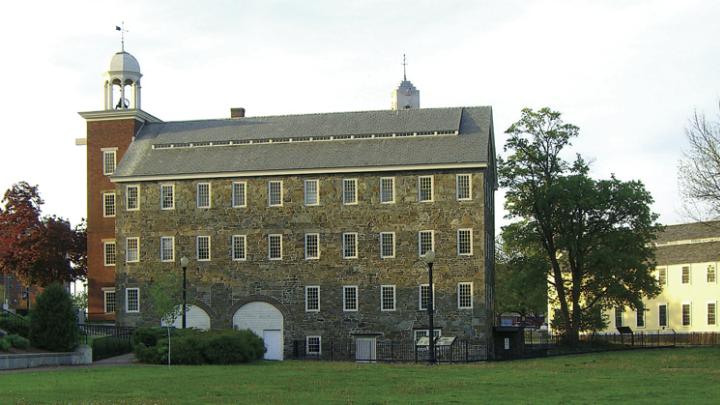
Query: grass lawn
[648, 376]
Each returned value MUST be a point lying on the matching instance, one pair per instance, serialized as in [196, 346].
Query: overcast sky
[628, 73]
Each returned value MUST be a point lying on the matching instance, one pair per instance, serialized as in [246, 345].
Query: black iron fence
[95, 330]
[460, 351]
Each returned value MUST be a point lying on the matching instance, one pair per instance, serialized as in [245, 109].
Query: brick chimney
[237, 112]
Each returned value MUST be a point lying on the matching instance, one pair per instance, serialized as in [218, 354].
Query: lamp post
[184, 263]
[429, 258]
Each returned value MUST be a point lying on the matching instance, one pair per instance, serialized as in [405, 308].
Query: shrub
[190, 346]
[229, 347]
[149, 354]
[16, 325]
[183, 350]
[53, 324]
[110, 346]
[18, 341]
[5, 344]
[149, 336]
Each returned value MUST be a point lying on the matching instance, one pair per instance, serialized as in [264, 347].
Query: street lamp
[184, 263]
[429, 258]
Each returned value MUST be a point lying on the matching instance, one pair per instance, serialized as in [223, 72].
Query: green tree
[53, 322]
[166, 300]
[596, 235]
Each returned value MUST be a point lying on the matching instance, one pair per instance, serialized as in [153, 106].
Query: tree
[53, 323]
[166, 299]
[700, 169]
[39, 251]
[596, 235]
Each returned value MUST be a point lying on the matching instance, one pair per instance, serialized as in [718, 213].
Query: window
[640, 316]
[312, 246]
[387, 297]
[424, 297]
[424, 333]
[109, 301]
[312, 345]
[275, 247]
[239, 194]
[350, 298]
[109, 161]
[312, 192]
[711, 313]
[686, 314]
[425, 242]
[110, 253]
[349, 191]
[686, 275]
[132, 250]
[387, 245]
[662, 315]
[662, 276]
[167, 196]
[202, 245]
[350, 250]
[710, 277]
[132, 198]
[203, 195]
[108, 204]
[132, 300]
[463, 187]
[312, 298]
[465, 295]
[275, 193]
[239, 247]
[167, 249]
[387, 190]
[464, 242]
[619, 316]
[425, 188]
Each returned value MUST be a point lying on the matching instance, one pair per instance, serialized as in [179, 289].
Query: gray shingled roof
[472, 144]
[695, 230]
[689, 252]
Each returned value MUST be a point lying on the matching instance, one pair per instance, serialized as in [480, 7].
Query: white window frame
[394, 298]
[106, 262]
[137, 197]
[127, 249]
[269, 239]
[682, 270]
[432, 241]
[662, 280]
[418, 333]
[307, 308]
[319, 344]
[106, 152]
[172, 195]
[667, 314]
[127, 300]
[457, 186]
[172, 246]
[707, 313]
[233, 197]
[470, 242]
[432, 188]
[682, 314]
[306, 194]
[105, 300]
[355, 192]
[714, 273]
[382, 255]
[347, 288]
[459, 297]
[209, 195]
[420, 288]
[269, 188]
[317, 243]
[233, 252]
[621, 312]
[209, 248]
[344, 250]
[644, 317]
[113, 198]
[392, 190]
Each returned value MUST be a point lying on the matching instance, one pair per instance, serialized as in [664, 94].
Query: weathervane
[404, 66]
[122, 30]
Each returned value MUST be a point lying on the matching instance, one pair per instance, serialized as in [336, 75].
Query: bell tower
[406, 96]
[122, 82]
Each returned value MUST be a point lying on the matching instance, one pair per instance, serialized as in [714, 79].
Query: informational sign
[445, 341]
[423, 341]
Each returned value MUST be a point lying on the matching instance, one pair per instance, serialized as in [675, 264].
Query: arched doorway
[265, 321]
[196, 317]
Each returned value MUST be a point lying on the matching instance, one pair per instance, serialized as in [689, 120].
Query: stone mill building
[299, 227]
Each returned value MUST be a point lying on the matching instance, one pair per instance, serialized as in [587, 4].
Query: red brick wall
[102, 134]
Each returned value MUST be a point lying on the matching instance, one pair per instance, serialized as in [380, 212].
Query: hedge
[16, 326]
[18, 341]
[110, 346]
[190, 346]
[5, 344]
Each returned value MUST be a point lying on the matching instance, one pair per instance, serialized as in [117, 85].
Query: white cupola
[122, 82]
[406, 96]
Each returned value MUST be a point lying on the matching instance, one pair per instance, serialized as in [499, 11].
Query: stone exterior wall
[221, 286]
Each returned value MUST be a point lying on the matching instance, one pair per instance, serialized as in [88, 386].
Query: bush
[183, 350]
[53, 324]
[18, 341]
[149, 354]
[15, 325]
[229, 347]
[5, 344]
[110, 346]
[149, 336]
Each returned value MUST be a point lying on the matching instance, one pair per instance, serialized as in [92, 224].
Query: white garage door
[265, 321]
[196, 317]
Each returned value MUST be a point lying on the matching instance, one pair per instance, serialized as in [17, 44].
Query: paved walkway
[123, 360]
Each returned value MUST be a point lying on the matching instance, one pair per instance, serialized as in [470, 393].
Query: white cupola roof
[124, 62]
[122, 82]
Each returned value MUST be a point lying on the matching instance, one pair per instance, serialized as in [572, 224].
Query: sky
[628, 73]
